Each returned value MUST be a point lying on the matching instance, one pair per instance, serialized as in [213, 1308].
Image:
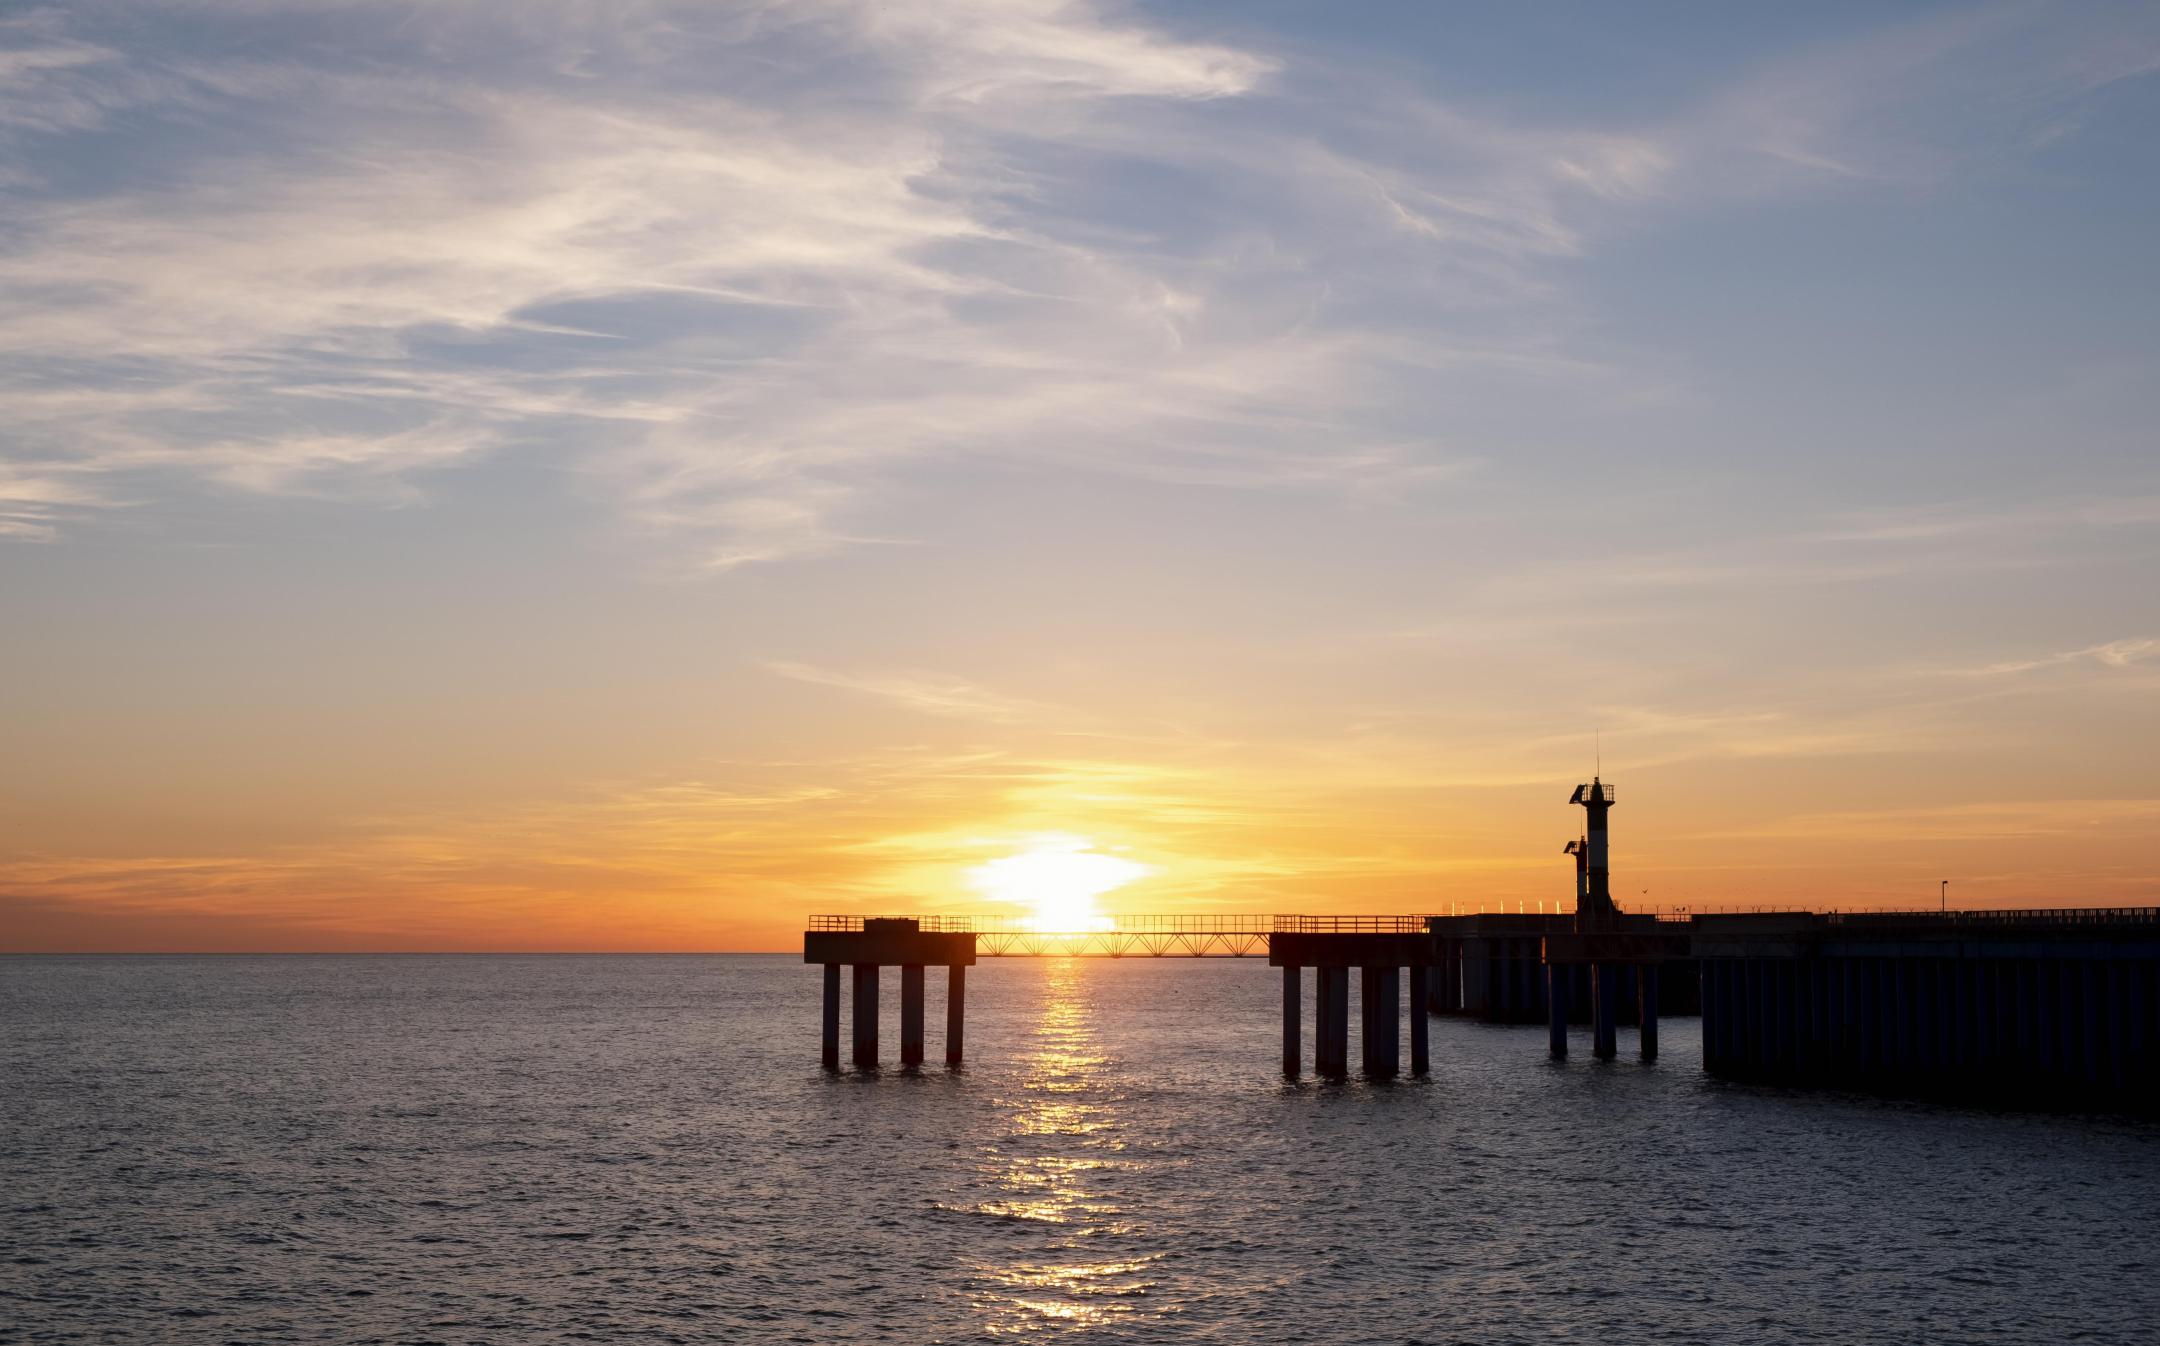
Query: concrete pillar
[1945, 1014]
[1331, 1022]
[1390, 1006]
[1420, 1052]
[1646, 979]
[1792, 1020]
[1556, 1006]
[2139, 1014]
[1887, 1062]
[1840, 1052]
[2062, 1015]
[829, 1036]
[1716, 974]
[2092, 1025]
[2114, 1061]
[866, 1007]
[955, 1012]
[1477, 978]
[1815, 1046]
[911, 1034]
[1604, 1011]
[1293, 994]
[1706, 996]
[1368, 1018]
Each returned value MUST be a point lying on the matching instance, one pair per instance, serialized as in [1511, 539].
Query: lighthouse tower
[1595, 906]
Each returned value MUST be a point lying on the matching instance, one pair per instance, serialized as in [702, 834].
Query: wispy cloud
[652, 236]
[932, 693]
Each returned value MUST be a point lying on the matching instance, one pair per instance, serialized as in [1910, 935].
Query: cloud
[759, 270]
[931, 693]
[2114, 654]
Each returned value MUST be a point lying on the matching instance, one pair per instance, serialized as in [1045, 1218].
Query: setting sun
[1058, 880]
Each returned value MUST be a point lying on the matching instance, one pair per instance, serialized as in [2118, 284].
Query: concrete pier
[1420, 1037]
[2057, 1007]
[865, 1014]
[955, 1013]
[1379, 958]
[1293, 998]
[1556, 1012]
[911, 1014]
[865, 945]
[1646, 1009]
[1604, 1011]
[1492, 968]
[1379, 1022]
[1331, 1022]
[829, 1036]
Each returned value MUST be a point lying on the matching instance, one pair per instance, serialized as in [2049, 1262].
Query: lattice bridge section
[1228, 936]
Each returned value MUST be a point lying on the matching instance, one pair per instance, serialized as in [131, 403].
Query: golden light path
[1057, 1167]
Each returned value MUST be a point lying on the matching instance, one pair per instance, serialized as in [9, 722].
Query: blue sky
[850, 433]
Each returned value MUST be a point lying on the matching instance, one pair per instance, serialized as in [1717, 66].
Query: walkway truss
[1141, 936]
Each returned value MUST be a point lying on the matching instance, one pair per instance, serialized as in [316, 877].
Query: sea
[644, 1149]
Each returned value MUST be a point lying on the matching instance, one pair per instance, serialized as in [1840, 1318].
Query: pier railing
[1142, 936]
[1238, 936]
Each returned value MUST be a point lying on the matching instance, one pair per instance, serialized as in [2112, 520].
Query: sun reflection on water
[1057, 1171]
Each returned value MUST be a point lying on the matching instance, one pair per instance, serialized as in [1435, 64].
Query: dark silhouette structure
[2061, 1007]
[2032, 1006]
[876, 942]
[1331, 947]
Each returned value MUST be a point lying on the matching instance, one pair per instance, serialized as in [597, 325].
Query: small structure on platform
[869, 944]
[1331, 947]
[1613, 947]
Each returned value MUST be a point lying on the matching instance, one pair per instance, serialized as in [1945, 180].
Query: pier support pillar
[1331, 1022]
[829, 1037]
[1556, 1010]
[1293, 994]
[955, 1013]
[911, 1014]
[865, 1016]
[1383, 1012]
[1420, 1053]
[1646, 979]
[1604, 1011]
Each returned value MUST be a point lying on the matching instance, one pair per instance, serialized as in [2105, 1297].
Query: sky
[625, 474]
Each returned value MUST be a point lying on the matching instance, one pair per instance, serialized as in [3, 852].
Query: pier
[2043, 1005]
[2061, 1005]
[869, 944]
[1332, 947]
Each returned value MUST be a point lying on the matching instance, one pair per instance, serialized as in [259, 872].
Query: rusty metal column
[829, 1037]
[866, 1007]
[911, 1015]
[1293, 993]
[1646, 985]
[955, 1012]
[1420, 1053]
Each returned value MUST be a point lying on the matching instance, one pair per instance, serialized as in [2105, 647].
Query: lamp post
[1945, 896]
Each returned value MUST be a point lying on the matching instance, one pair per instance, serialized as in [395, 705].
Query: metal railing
[1237, 934]
[1349, 925]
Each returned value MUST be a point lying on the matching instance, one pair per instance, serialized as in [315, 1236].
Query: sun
[1057, 878]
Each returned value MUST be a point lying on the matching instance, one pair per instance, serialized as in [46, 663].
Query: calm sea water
[642, 1149]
